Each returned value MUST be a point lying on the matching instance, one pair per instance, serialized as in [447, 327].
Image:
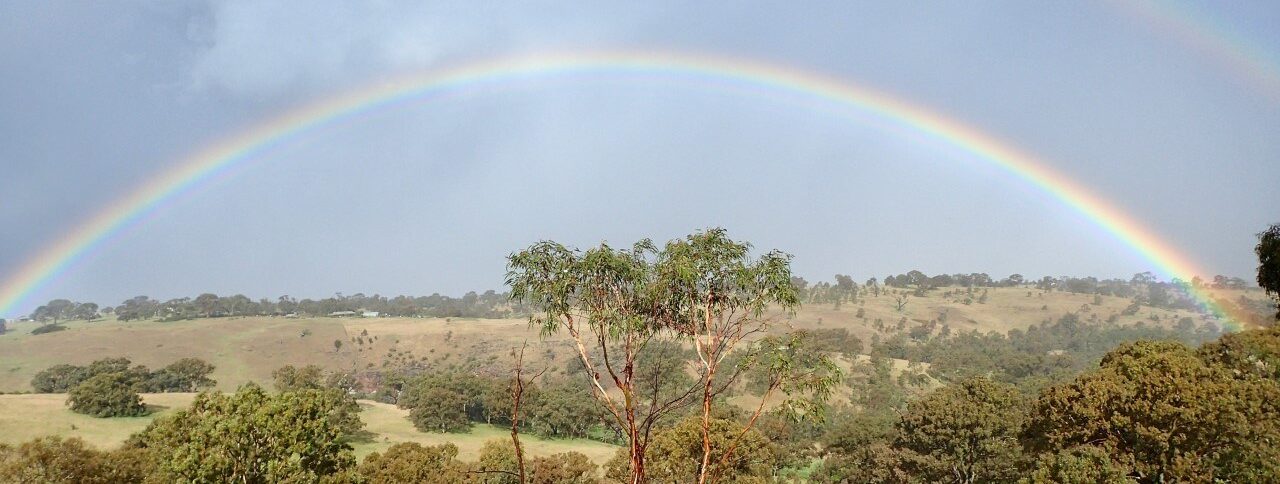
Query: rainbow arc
[736, 74]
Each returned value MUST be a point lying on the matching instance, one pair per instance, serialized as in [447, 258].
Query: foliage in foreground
[252, 436]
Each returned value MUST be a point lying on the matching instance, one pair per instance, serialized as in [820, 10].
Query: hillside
[249, 348]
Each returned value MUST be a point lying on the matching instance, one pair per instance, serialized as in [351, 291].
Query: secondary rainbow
[756, 77]
[1213, 38]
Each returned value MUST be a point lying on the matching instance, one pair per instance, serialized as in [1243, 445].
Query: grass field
[250, 348]
[25, 417]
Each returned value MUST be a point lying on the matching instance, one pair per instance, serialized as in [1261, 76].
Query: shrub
[107, 395]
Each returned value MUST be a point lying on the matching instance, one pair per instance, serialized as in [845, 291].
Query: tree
[58, 378]
[289, 378]
[966, 432]
[1268, 251]
[407, 462]
[107, 395]
[251, 436]
[496, 463]
[440, 410]
[1158, 409]
[603, 298]
[676, 454]
[55, 460]
[337, 345]
[565, 467]
[704, 288]
[184, 375]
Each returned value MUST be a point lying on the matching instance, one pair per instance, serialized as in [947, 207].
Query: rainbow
[1212, 38]
[722, 71]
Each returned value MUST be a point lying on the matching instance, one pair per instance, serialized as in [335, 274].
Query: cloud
[262, 49]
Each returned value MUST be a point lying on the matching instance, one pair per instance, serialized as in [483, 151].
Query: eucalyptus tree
[1268, 251]
[617, 305]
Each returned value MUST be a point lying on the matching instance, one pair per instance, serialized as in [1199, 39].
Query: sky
[1166, 123]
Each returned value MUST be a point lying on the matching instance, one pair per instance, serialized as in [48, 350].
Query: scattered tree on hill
[184, 375]
[107, 395]
[289, 378]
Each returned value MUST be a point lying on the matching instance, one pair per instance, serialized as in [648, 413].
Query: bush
[107, 395]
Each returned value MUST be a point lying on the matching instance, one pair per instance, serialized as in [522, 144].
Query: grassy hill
[250, 348]
[25, 417]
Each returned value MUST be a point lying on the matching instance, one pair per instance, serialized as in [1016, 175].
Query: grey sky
[96, 98]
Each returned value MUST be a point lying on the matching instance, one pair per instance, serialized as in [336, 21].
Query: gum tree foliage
[704, 289]
[55, 460]
[1268, 251]
[253, 437]
[412, 462]
[107, 395]
[1163, 414]
[966, 432]
[676, 452]
[289, 378]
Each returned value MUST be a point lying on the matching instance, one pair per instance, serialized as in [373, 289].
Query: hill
[249, 348]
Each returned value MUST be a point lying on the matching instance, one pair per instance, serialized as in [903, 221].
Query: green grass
[25, 417]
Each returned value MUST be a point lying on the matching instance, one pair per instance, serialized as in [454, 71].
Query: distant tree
[251, 436]
[407, 462]
[337, 345]
[208, 305]
[86, 312]
[184, 375]
[440, 410]
[141, 307]
[58, 378]
[54, 311]
[107, 395]
[3, 328]
[1268, 251]
[290, 378]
